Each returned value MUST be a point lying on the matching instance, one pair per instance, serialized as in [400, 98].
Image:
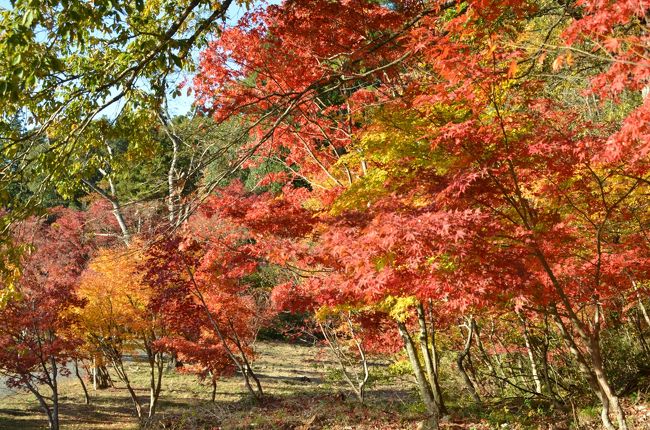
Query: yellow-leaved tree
[117, 319]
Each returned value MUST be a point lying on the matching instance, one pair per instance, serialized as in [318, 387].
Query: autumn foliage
[441, 167]
[37, 339]
[420, 178]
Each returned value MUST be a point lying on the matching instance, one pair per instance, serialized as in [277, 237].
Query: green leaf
[177, 60]
[28, 17]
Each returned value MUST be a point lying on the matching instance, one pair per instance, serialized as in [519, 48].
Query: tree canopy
[395, 171]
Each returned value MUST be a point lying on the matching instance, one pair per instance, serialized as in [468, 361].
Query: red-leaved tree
[36, 340]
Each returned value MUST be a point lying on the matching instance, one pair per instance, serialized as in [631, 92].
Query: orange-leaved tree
[118, 320]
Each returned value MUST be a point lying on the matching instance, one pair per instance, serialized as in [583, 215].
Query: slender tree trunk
[81, 380]
[485, 357]
[111, 197]
[531, 356]
[171, 179]
[586, 370]
[608, 392]
[340, 357]
[213, 380]
[117, 212]
[173, 361]
[544, 346]
[55, 394]
[358, 388]
[435, 360]
[103, 377]
[247, 366]
[424, 388]
[229, 351]
[174, 207]
[361, 382]
[134, 399]
[642, 307]
[52, 423]
[461, 358]
[155, 376]
[121, 373]
[161, 365]
[639, 332]
[429, 361]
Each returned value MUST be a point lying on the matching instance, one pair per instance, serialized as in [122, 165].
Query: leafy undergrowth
[304, 392]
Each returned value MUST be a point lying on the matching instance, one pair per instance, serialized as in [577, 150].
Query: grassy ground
[297, 380]
[303, 392]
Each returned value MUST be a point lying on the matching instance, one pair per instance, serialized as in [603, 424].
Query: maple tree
[36, 336]
[459, 182]
[200, 293]
[118, 318]
[423, 178]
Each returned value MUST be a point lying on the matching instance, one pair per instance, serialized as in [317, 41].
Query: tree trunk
[330, 336]
[544, 346]
[55, 394]
[247, 366]
[117, 212]
[175, 215]
[642, 307]
[121, 373]
[423, 386]
[593, 369]
[435, 359]
[461, 357]
[361, 382]
[589, 373]
[428, 360]
[608, 392]
[81, 380]
[134, 399]
[111, 197]
[639, 332]
[214, 387]
[103, 377]
[52, 423]
[155, 376]
[173, 361]
[531, 356]
[485, 357]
